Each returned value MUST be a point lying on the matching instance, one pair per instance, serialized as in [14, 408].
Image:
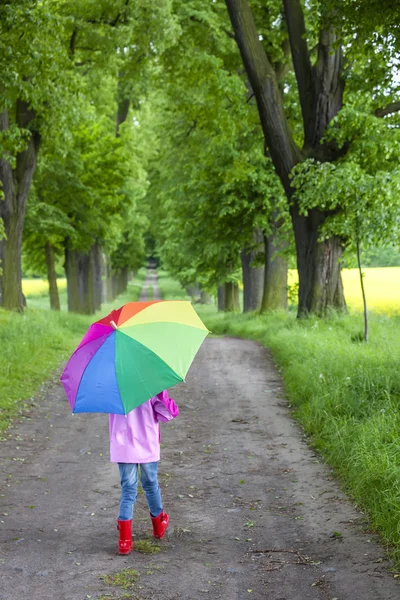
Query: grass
[345, 394]
[146, 547]
[124, 579]
[36, 342]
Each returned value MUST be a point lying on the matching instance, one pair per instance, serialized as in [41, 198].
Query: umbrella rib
[88, 342]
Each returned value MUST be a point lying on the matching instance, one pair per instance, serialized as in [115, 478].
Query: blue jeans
[129, 482]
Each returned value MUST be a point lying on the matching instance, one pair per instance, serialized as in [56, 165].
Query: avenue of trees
[228, 138]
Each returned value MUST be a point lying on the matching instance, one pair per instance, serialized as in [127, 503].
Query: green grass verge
[34, 344]
[346, 395]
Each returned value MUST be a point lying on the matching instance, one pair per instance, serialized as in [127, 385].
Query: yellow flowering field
[382, 287]
[40, 287]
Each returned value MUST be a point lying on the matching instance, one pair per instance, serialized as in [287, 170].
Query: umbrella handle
[113, 325]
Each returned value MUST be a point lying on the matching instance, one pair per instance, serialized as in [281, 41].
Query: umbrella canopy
[131, 355]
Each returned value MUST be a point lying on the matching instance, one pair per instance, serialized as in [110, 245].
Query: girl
[134, 444]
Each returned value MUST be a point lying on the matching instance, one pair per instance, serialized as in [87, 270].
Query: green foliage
[211, 184]
[363, 207]
[386, 256]
[346, 396]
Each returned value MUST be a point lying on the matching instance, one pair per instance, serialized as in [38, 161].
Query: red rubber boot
[160, 524]
[125, 544]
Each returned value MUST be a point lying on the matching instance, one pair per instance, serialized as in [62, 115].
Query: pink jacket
[135, 437]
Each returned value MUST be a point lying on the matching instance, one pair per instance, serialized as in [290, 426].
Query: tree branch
[230, 34]
[300, 56]
[282, 67]
[72, 42]
[387, 110]
[279, 139]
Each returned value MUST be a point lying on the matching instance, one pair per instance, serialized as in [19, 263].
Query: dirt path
[150, 281]
[253, 512]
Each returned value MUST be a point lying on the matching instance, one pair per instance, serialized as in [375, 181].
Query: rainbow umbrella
[131, 355]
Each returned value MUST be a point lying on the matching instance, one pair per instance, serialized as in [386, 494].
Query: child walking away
[134, 445]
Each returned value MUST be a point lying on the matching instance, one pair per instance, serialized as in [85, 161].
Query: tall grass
[33, 345]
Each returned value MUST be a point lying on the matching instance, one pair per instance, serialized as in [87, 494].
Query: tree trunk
[205, 298]
[107, 281]
[12, 296]
[124, 279]
[231, 297]
[194, 292]
[122, 113]
[275, 294]
[79, 268]
[318, 264]
[364, 297]
[15, 186]
[320, 91]
[97, 274]
[221, 297]
[52, 277]
[253, 277]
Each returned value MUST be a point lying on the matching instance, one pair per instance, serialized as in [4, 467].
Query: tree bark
[16, 184]
[122, 113]
[124, 279]
[221, 297]
[253, 277]
[321, 91]
[79, 268]
[275, 294]
[97, 274]
[205, 298]
[319, 267]
[52, 277]
[107, 281]
[231, 297]
[364, 297]
[194, 292]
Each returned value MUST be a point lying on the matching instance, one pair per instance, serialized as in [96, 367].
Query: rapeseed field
[40, 287]
[382, 286]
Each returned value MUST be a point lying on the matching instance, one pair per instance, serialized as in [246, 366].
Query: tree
[51, 54]
[361, 192]
[211, 151]
[46, 227]
[322, 44]
[34, 68]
